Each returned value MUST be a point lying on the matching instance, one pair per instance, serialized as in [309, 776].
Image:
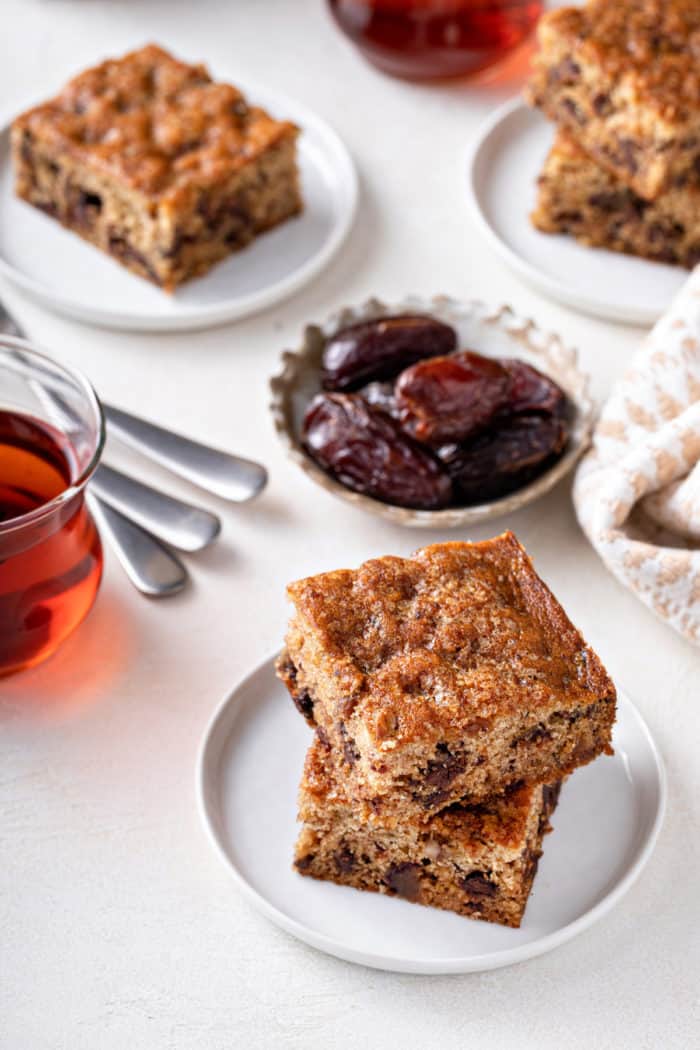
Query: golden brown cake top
[567, 147]
[157, 125]
[501, 822]
[448, 639]
[656, 42]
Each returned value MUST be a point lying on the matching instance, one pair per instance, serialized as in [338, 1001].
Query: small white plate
[249, 768]
[68, 275]
[502, 168]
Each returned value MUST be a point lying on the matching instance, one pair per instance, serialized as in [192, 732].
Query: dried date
[382, 396]
[380, 349]
[531, 391]
[450, 398]
[504, 458]
[365, 450]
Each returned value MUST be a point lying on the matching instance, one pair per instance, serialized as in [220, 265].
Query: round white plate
[502, 168]
[66, 274]
[604, 831]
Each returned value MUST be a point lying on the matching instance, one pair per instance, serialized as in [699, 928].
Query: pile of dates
[408, 419]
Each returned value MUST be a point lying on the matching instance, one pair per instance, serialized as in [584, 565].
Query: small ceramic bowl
[494, 332]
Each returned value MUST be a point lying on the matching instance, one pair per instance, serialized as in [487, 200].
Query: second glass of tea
[429, 39]
[51, 437]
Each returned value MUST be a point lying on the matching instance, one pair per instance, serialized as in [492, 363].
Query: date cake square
[478, 861]
[624, 78]
[575, 195]
[450, 675]
[164, 169]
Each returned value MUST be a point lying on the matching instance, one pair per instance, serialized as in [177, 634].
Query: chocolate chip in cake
[304, 705]
[350, 752]
[550, 795]
[121, 249]
[566, 72]
[478, 884]
[47, 206]
[344, 860]
[304, 863]
[83, 206]
[404, 880]
[609, 201]
[573, 109]
[627, 153]
[692, 257]
[442, 771]
[568, 217]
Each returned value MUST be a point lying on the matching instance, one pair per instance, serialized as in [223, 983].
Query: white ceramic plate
[604, 831]
[502, 167]
[66, 274]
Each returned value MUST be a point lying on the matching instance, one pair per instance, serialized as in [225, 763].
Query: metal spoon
[180, 524]
[230, 477]
[152, 568]
[177, 523]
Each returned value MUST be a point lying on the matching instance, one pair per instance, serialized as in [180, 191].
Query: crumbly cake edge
[632, 132]
[429, 864]
[578, 197]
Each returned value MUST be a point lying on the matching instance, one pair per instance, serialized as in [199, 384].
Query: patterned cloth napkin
[637, 492]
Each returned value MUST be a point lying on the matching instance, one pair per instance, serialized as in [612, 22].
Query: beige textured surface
[637, 492]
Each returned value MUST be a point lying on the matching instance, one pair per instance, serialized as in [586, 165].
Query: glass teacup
[52, 433]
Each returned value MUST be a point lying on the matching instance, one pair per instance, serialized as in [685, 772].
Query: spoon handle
[177, 523]
[227, 476]
[152, 568]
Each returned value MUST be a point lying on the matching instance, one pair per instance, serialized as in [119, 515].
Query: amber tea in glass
[51, 437]
[428, 39]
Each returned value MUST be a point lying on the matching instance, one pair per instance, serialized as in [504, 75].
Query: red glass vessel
[50, 550]
[428, 39]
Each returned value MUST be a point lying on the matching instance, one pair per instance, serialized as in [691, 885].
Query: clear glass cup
[52, 433]
[434, 39]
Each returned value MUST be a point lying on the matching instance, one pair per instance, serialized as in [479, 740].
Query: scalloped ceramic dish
[495, 332]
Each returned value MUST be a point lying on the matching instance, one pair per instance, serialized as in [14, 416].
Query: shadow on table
[79, 672]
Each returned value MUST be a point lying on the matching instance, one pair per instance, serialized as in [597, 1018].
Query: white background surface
[119, 927]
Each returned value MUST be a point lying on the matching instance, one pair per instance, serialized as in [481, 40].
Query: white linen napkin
[637, 492]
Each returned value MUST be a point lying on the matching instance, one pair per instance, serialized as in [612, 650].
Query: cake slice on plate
[164, 169]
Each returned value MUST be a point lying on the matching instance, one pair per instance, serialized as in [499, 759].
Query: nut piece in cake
[577, 196]
[152, 161]
[624, 78]
[449, 675]
[479, 861]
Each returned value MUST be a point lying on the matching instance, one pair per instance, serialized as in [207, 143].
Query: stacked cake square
[450, 695]
[621, 81]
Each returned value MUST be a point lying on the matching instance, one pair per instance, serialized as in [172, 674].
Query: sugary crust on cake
[158, 126]
[455, 637]
[482, 760]
[653, 44]
[624, 79]
[577, 196]
[477, 861]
